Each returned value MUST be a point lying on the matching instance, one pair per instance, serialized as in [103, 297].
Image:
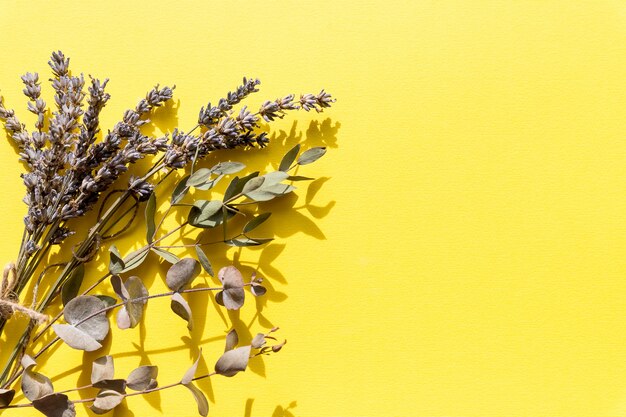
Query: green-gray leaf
[116, 264]
[108, 301]
[233, 361]
[204, 261]
[167, 255]
[85, 306]
[228, 167]
[180, 191]
[75, 338]
[246, 241]
[150, 213]
[256, 222]
[204, 213]
[180, 306]
[72, 285]
[134, 259]
[289, 157]
[253, 184]
[311, 155]
[199, 177]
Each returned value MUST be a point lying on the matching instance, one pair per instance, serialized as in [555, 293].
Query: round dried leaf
[182, 273]
[233, 294]
[82, 307]
[35, 385]
[258, 341]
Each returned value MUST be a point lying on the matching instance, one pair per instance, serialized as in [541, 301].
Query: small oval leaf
[142, 378]
[204, 261]
[256, 222]
[289, 157]
[311, 155]
[191, 372]
[233, 361]
[182, 273]
[180, 306]
[102, 368]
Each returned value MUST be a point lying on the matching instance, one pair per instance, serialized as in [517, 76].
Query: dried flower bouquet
[70, 169]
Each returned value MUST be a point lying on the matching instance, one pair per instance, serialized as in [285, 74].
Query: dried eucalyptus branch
[70, 171]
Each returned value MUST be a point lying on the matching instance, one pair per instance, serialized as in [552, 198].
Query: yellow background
[464, 253]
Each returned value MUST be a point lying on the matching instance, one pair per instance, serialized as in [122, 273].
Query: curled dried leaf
[233, 361]
[6, 396]
[191, 372]
[117, 385]
[102, 368]
[180, 306]
[258, 341]
[116, 263]
[34, 385]
[232, 339]
[257, 290]
[143, 378]
[106, 400]
[55, 405]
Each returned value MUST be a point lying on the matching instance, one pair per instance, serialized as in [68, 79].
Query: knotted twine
[9, 302]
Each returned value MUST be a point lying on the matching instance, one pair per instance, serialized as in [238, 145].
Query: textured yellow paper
[464, 255]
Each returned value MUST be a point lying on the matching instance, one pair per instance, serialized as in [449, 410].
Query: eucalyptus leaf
[256, 222]
[133, 293]
[182, 273]
[258, 290]
[233, 361]
[134, 259]
[150, 213]
[253, 184]
[204, 261]
[205, 213]
[85, 306]
[279, 189]
[232, 339]
[75, 338]
[201, 401]
[274, 177]
[311, 155]
[258, 341]
[106, 400]
[55, 405]
[299, 178]
[261, 195]
[6, 396]
[72, 285]
[278, 347]
[102, 368]
[242, 182]
[167, 255]
[209, 184]
[116, 263]
[199, 177]
[108, 301]
[228, 167]
[191, 372]
[180, 306]
[34, 385]
[143, 378]
[289, 157]
[233, 294]
[117, 385]
[180, 190]
[246, 241]
[231, 190]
